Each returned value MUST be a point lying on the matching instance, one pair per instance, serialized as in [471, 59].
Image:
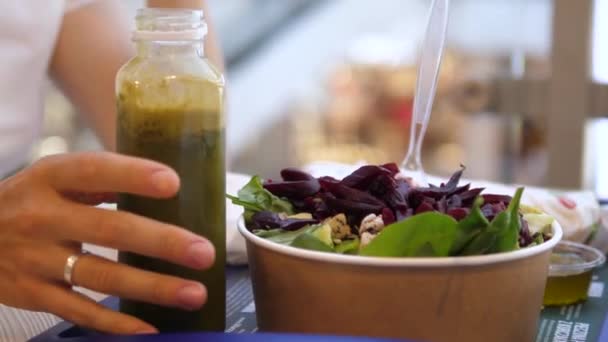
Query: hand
[43, 221]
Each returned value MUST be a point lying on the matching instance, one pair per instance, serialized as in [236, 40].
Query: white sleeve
[71, 5]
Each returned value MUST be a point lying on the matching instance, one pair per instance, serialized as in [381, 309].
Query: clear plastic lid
[571, 258]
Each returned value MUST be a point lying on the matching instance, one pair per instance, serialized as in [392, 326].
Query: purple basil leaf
[455, 179]
[442, 205]
[295, 224]
[395, 200]
[461, 189]
[266, 220]
[488, 211]
[455, 202]
[470, 195]
[499, 207]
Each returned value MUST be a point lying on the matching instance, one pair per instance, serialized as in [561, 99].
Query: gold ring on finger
[70, 264]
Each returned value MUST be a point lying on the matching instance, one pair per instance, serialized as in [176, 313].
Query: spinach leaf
[287, 238]
[309, 241]
[469, 227]
[501, 235]
[480, 244]
[245, 205]
[348, 246]
[267, 233]
[254, 198]
[248, 215]
[427, 234]
[507, 226]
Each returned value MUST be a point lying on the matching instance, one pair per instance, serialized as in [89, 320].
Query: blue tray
[67, 332]
[217, 337]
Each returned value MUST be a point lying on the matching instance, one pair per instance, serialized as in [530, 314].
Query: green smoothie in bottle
[170, 109]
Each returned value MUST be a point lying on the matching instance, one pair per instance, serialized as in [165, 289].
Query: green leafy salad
[376, 212]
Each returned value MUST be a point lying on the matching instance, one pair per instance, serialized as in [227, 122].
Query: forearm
[93, 43]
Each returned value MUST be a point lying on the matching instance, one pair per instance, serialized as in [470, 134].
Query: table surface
[583, 322]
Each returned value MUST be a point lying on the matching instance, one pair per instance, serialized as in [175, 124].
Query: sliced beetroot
[382, 185]
[373, 189]
[392, 167]
[326, 183]
[339, 205]
[341, 191]
[424, 207]
[266, 220]
[388, 190]
[293, 174]
[318, 207]
[294, 189]
[387, 216]
[491, 198]
[459, 213]
[364, 175]
[525, 238]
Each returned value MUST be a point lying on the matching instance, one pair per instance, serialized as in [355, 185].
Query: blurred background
[523, 94]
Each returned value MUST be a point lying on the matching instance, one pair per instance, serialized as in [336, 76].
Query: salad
[375, 211]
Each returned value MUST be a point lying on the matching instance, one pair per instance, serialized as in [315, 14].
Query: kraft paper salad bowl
[495, 297]
[374, 254]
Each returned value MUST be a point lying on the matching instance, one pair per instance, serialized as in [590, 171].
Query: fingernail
[201, 254]
[164, 181]
[191, 296]
[146, 331]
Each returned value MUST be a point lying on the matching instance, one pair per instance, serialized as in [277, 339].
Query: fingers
[109, 277]
[90, 198]
[113, 278]
[130, 233]
[84, 312]
[108, 172]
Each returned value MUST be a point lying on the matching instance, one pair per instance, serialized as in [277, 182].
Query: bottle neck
[156, 48]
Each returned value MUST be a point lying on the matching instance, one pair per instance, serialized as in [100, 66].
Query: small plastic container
[570, 272]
